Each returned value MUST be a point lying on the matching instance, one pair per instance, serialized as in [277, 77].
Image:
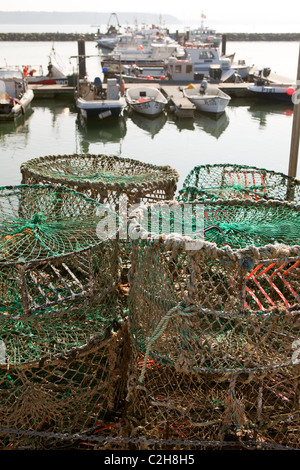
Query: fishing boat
[204, 34]
[94, 101]
[145, 100]
[15, 96]
[109, 39]
[208, 99]
[198, 63]
[53, 77]
[142, 50]
[35, 75]
[273, 92]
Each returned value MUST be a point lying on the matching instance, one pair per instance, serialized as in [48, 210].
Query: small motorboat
[273, 92]
[209, 99]
[146, 100]
[15, 96]
[93, 101]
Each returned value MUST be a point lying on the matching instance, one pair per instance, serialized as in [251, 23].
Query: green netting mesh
[215, 323]
[236, 223]
[38, 222]
[64, 373]
[238, 181]
[63, 350]
[104, 177]
[52, 248]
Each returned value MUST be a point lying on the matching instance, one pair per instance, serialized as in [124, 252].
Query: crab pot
[64, 373]
[239, 181]
[214, 311]
[62, 356]
[118, 183]
[55, 248]
[104, 178]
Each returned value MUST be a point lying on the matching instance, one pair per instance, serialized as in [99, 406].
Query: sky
[217, 12]
[226, 15]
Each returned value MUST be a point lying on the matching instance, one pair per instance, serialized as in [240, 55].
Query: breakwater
[92, 36]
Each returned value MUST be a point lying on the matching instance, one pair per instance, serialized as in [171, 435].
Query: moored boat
[208, 99]
[273, 92]
[146, 100]
[15, 96]
[53, 77]
[35, 74]
[93, 101]
[198, 63]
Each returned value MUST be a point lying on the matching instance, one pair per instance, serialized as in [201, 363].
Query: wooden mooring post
[295, 128]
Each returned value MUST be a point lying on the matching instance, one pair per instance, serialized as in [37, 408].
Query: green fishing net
[37, 222]
[238, 181]
[55, 245]
[62, 359]
[234, 223]
[103, 177]
[214, 314]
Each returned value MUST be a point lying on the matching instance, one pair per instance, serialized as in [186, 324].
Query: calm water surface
[249, 132]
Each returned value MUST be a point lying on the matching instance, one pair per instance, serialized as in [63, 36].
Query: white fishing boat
[53, 77]
[142, 50]
[204, 34]
[95, 102]
[145, 100]
[206, 61]
[208, 99]
[15, 96]
[35, 74]
[198, 63]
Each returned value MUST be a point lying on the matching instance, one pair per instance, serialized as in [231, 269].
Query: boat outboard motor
[266, 72]
[98, 85]
[203, 86]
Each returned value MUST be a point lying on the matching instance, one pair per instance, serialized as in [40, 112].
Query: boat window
[177, 68]
[10, 74]
[189, 68]
[206, 55]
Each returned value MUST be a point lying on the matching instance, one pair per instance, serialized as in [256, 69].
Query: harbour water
[250, 132]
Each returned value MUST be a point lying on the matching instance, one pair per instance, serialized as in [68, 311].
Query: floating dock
[52, 91]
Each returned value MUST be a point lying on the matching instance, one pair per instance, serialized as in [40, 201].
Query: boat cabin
[198, 63]
[12, 83]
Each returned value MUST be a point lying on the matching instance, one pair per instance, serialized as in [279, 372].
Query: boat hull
[211, 104]
[272, 93]
[19, 108]
[147, 108]
[47, 81]
[213, 101]
[99, 109]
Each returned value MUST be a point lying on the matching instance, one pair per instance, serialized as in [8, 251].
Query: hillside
[95, 18]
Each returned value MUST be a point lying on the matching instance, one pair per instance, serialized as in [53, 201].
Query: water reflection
[18, 126]
[260, 110]
[110, 131]
[182, 124]
[152, 125]
[212, 125]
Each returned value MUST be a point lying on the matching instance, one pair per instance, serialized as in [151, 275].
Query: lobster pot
[62, 358]
[214, 317]
[118, 183]
[108, 179]
[238, 181]
[64, 373]
[55, 249]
